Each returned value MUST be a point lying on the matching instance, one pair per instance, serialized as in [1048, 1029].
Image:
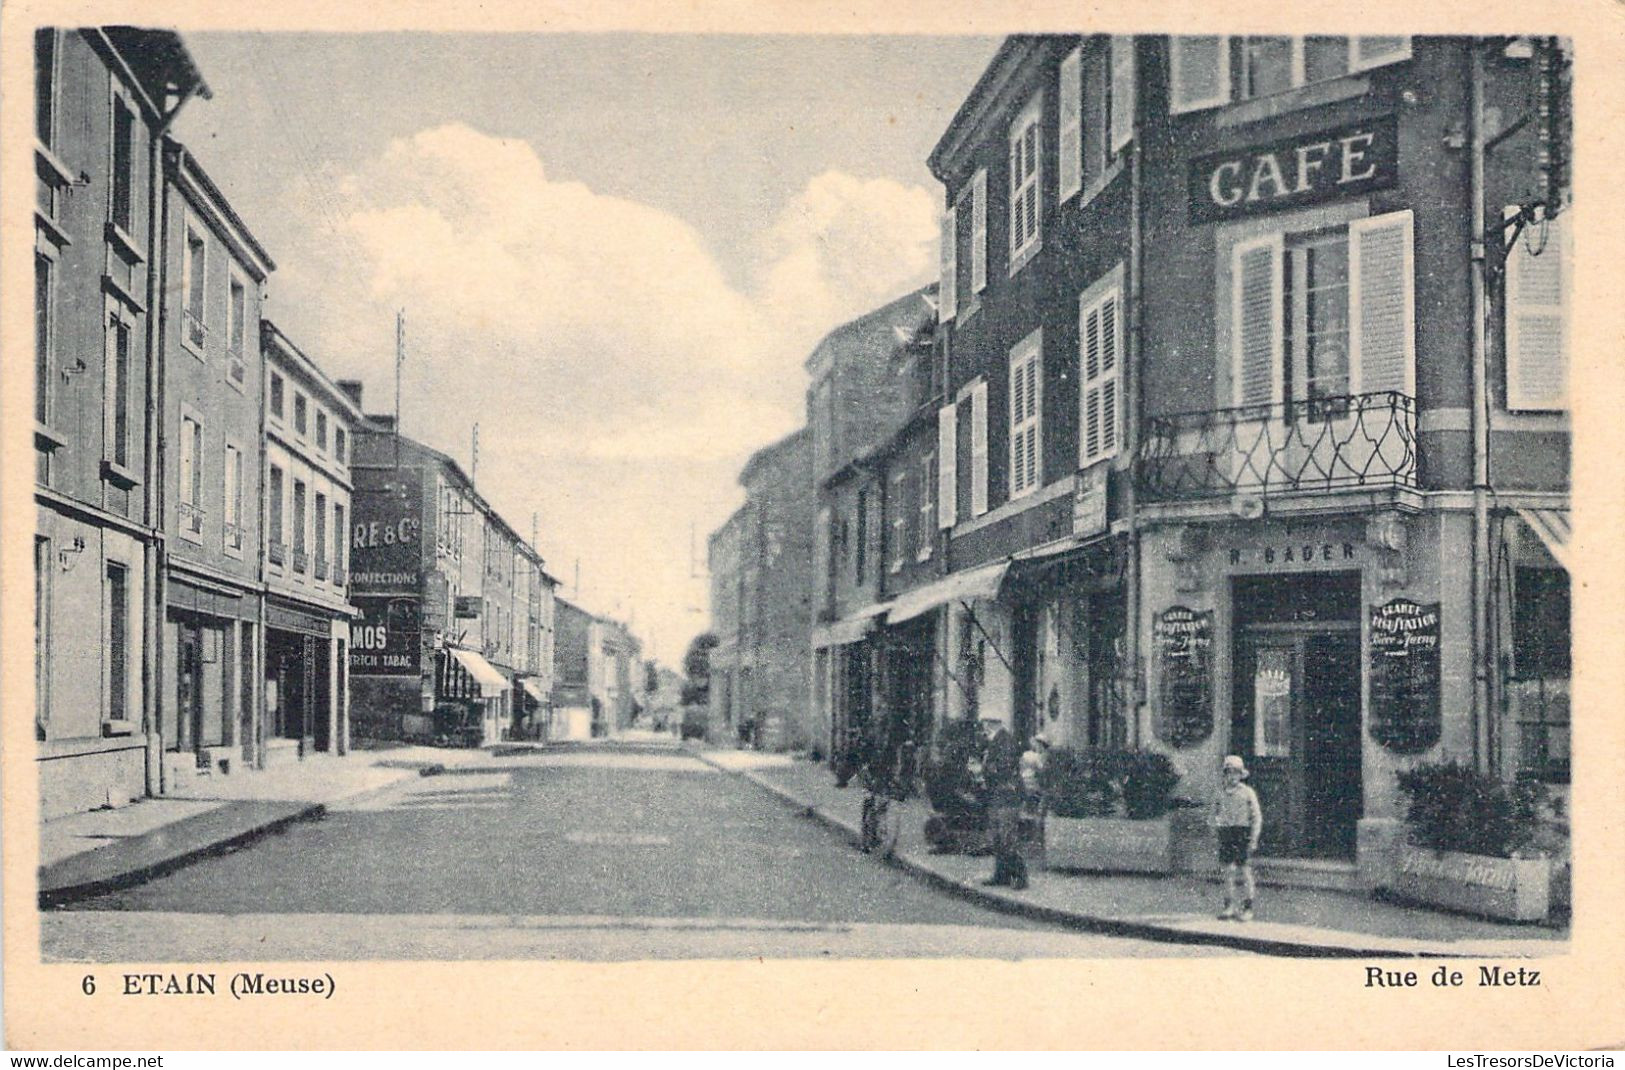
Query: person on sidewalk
[1001, 773]
[1240, 820]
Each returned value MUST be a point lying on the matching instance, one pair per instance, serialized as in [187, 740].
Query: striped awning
[850, 628]
[1552, 525]
[967, 586]
[492, 682]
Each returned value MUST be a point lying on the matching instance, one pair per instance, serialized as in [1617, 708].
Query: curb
[69, 893]
[1072, 919]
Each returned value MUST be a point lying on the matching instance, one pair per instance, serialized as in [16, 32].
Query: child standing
[1240, 820]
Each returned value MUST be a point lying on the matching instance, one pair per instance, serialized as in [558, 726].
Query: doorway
[1296, 710]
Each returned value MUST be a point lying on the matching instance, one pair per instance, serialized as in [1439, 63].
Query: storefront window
[1272, 697]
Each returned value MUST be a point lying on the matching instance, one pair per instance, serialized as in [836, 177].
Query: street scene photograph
[605, 497]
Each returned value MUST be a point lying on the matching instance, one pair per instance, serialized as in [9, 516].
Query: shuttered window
[1255, 274]
[1099, 343]
[1199, 72]
[947, 291]
[978, 232]
[1026, 407]
[1069, 139]
[1382, 326]
[1122, 98]
[1025, 146]
[978, 449]
[1537, 285]
[947, 465]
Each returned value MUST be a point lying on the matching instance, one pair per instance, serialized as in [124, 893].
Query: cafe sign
[1183, 646]
[1327, 165]
[1404, 649]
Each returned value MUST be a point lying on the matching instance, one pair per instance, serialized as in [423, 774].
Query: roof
[904, 313]
[767, 454]
[190, 170]
[980, 101]
[300, 361]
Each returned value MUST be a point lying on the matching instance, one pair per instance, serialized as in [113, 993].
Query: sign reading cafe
[1293, 172]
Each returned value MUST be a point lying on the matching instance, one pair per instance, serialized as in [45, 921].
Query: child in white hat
[1240, 820]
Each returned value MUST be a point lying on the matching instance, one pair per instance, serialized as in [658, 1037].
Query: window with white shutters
[947, 291]
[1537, 285]
[927, 529]
[1198, 72]
[1069, 138]
[978, 449]
[978, 232]
[1025, 147]
[1122, 98]
[1255, 275]
[1382, 327]
[947, 465]
[1100, 357]
[1026, 407]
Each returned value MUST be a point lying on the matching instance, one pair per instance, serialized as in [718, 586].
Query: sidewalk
[1291, 921]
[90, 853]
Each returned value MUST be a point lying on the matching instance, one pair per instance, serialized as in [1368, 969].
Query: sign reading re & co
[1293, 172]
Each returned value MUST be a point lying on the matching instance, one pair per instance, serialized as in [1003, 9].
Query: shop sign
[387, 640]
[468, 606]
[386, 539]
[1293, 553]
[288, 619]
[1330, 164]
[1404, 646]
[1182, 641]
[1089, 502]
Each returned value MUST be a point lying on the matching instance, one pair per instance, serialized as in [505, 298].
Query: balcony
[191, 517]
[321, 567]
[276, 552]
[1362, 441]
[301, 561]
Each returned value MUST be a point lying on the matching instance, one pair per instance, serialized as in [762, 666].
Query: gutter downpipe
[1131, 564]
[1481, 433]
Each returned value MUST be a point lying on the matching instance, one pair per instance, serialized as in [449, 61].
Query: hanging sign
[1183, 645]
[1327, 165]
[1405, 714]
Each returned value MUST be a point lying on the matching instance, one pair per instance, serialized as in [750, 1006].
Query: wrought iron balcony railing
[276, 551]
[321, 567]
[301, 561]
[339, 575]
[1358, 441]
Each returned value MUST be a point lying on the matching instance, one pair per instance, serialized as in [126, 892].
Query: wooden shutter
[978, 232]
[1069, 142]
[978, 449]
[947, 466]
[1382, 328]
[1199, 73]
[1099, 333]
[1122, 114]
[1255, 327]
[1026, 407]
[946, 292]
[1536, 321]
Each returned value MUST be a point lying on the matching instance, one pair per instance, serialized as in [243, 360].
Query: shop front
[306, 707]
[208, 721]
[468, 698]
[1330, 653]
[844, 653]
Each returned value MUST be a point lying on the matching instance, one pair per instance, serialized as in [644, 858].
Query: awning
[492, 682]
[1552, 525]
[981, 582]
[850, 628]
[533, 687]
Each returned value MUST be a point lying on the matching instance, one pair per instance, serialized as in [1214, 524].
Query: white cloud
[586, 333]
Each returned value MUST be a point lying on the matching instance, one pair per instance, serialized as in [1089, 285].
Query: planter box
[1512, 889]
[1109, 844]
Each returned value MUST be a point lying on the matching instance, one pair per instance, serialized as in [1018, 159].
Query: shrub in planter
[1108, 810]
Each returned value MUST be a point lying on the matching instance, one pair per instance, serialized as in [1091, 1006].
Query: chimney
[351, 388]
[383, 421]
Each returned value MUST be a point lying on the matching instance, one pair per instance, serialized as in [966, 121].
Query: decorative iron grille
[276, 551]
[1361, 440]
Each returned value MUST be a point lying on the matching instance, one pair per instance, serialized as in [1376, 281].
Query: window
[340, 542]
[321, 430]
[44, 292]
[1539, 687]
[1100, 341]
[276, 532]
[117, 615]
[1324, 314]
[339, 445]
[301, 410]
[190, 504]
[237, 322]
[42, 634]
[195, 279]
[276, 395]
[234, 499]
[1069, 140]
[948, 465]
[299, 562]
[860, 559]
[45, 87]
[978, 448]
[122, 186]
[1026, 407]
[927, 529]
[899, 522]
[116, 386]
[319, 521]
[1025, 148]
[1537, 285]
[1208, 71]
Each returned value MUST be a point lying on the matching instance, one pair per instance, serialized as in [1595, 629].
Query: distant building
[572, 673]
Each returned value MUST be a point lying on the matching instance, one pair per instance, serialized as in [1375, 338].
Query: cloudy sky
[614, 252]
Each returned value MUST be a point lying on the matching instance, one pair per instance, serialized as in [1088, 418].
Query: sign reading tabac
[1293, 172]
[1405, 715]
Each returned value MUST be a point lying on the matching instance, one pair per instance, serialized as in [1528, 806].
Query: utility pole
[474, 458]
[400, 358]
